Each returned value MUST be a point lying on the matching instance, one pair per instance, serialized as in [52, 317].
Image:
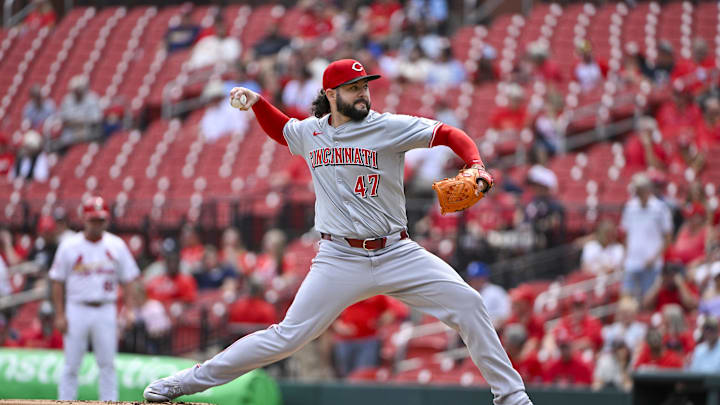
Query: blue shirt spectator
[706, 357]
[38, 110]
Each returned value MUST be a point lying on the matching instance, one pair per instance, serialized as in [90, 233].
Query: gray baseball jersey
[357, 169]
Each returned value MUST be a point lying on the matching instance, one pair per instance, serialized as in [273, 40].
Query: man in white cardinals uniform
[85, 274]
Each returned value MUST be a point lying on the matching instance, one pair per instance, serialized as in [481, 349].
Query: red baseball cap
[46, 223]
[345, 71]
[95, 207]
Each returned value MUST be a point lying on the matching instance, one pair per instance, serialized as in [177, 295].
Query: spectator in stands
[415, 68]
[315, 21]
[631, 72]
[567, 369]
[676, 335]
[61, 224]
[7, 248]
[706, 357]
[522, 313]
[603, 254]
[8, 336]
[583, 329]
[679, 115]
[183, 34]
[41, 333]
[191, 248]
[497, 300]
[486, 70]
[689, 245]
[707, 130]
[626, 328]
[710, 303]
[550, 125]
[220, 119]
[271, 43]
[589, 71]
[543, 69]
[671, 287]
[613, 368]
[172, 285]
[155, 322]
[43, 250]
[513, 117]
[232, 251]
[7, 157]
[300, 91]
[251, 309]
[544, 212]
[43, 15]
[695, 72]
[31, 162]
[432, 12]
[654, 354]
[383, 19]
[215, 49]
[80, 113]
[37, 109]
[5, 286]
[272, 261]
[646, 149]
[661, 70]
[356, 331]
[648, 226]
[446, 71]
[214, 275]
[514, 338]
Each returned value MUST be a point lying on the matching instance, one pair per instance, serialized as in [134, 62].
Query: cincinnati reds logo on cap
[345, 71]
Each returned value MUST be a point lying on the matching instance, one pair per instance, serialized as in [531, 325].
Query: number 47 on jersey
[364, 188]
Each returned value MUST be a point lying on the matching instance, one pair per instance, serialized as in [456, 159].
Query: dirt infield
[54, 402]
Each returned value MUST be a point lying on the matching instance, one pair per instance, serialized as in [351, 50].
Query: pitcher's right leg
[335, 281]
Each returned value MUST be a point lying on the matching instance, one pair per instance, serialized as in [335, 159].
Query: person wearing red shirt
[671, 288]
[679, 113]
[707, 130]
[583, 330]
[7, 157]
[527, 364]
[689, 245]
[654, 355]
[568, 369]
[41, 332]
[42, 16]
[522, 299]
[252, 308]
[676, 335]
[646, 149]
[192, 250]
[315, 21]
[380, 18]
[356, 330]
[695, 73]
[512, 117]
[172, 286]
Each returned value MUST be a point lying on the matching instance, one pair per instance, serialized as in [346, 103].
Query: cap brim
[357, 79]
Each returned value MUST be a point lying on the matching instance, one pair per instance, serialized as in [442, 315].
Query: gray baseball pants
[341, 275]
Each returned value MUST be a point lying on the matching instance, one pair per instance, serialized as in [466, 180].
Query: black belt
[367, 244]
[95, 303]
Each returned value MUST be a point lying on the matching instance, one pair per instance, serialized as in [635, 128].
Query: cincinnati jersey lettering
[343, 156]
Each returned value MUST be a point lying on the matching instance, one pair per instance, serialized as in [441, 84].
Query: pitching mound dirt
[53, 402]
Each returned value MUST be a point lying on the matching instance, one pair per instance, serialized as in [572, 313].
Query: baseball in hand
[238, 102]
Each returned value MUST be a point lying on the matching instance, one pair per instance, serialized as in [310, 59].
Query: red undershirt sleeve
[271, 120]
[459, 142]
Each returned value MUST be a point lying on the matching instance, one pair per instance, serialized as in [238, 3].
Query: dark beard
[350, 111]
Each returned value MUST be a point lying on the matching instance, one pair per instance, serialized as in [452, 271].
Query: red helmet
[95, 207]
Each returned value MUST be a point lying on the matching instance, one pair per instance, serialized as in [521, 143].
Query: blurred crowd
[663, 247]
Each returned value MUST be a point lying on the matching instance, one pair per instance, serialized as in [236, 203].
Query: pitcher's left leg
[427, 283]
[104, 342]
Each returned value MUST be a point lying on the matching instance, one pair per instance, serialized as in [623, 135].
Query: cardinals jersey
[90, 270]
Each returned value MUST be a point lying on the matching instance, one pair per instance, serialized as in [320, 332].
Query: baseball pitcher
[356, 157]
